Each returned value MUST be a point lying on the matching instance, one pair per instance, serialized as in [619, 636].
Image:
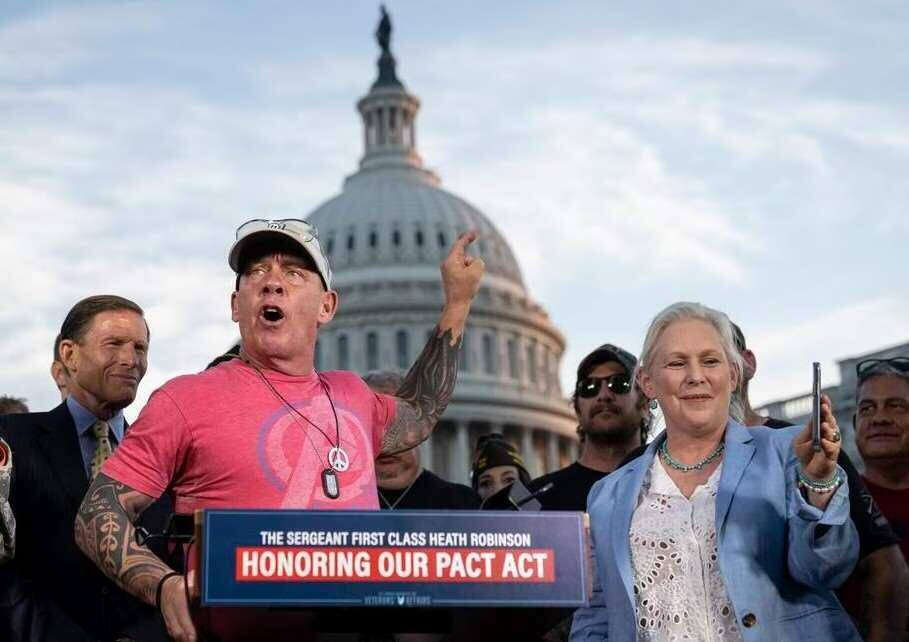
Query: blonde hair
[687, 311]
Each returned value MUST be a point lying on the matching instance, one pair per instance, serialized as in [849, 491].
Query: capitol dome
[385, 235]
[390, 217]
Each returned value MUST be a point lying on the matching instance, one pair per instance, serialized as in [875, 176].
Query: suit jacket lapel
[627, 490]
[738, 454]
[58, 442]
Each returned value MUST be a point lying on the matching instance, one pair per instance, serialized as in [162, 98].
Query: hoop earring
[653, 404]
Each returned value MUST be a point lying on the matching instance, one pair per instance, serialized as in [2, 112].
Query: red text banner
[338, 564]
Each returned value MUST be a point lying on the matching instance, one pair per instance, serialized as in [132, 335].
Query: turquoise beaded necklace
[687, 468]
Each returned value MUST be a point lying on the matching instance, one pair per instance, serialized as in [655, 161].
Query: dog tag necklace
[338, 459]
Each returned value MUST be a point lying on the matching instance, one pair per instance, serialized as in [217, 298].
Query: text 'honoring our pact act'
[299, 556]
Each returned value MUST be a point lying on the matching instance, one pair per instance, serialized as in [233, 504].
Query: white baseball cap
[305, 234]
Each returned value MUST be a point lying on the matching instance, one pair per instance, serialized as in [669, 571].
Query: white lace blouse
[678, 588]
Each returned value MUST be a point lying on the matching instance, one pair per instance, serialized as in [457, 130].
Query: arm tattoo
[423, 396]
[105, 533]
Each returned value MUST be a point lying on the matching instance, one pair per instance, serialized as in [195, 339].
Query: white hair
[687, 311]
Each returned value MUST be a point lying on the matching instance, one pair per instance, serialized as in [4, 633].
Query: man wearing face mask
[613, 420]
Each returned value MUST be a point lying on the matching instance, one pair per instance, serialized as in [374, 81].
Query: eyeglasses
[304, 230]
[867, 366]
[618, 384]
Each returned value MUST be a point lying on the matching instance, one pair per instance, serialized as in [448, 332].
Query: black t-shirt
[570, 487]
[430, 491]
[874, 530]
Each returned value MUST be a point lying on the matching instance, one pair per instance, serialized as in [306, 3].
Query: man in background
[882, 436]
[402, 482]
[613, 421]
[51, 590]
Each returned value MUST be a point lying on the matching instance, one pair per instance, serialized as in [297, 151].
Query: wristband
[825, 486]
[166, 577]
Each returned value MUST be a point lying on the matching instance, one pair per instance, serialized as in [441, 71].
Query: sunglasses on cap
[303, 230]
[866, 366]
[618, 384]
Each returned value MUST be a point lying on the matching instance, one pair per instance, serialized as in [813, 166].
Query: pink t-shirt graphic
[293, 454]
[223, 439]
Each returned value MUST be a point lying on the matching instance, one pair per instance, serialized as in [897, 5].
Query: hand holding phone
[816, 408]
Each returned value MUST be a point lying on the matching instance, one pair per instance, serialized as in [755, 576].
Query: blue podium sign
[393, 558]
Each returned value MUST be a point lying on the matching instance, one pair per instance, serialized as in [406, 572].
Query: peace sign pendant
[338, 459]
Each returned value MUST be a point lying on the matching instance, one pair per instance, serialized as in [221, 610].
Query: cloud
[52, 42]
[622, 202]
[786, 350]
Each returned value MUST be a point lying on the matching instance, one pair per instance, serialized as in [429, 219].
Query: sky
[750, 156]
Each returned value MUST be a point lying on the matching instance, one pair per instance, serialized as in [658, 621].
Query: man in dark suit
[50, 590]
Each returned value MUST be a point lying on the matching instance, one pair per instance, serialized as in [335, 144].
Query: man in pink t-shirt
[266, 430]
[254, 451]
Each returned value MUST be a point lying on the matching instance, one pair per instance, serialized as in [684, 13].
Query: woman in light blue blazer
[717, 532]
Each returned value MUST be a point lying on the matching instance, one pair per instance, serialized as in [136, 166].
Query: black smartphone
[816, 408]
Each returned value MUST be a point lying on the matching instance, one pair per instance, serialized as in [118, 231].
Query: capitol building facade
[385, 235]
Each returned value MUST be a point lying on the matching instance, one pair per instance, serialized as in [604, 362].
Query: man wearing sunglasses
[265, 430]
[877, 594]
[613, 420]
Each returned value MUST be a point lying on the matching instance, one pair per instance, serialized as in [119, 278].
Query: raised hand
[461, 272]
[819, 466]
[431, 380]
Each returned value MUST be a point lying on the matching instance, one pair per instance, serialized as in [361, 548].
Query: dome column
[552, 452]
[460, 470]
[527, 454]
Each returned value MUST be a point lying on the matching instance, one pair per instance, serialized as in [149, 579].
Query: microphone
[515, 496]
[534, 495]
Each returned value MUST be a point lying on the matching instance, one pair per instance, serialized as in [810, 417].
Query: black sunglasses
[619, 384]
[866, 366]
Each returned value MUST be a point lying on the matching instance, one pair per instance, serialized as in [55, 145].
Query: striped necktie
[103, 450]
